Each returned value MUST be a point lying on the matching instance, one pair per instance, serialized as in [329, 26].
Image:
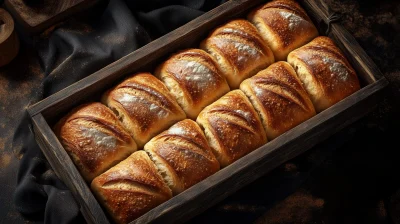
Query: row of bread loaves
[270, 99]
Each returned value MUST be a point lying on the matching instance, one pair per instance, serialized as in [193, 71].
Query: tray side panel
[355, 54]
[358, 58]
[66, 170]
[254, 165]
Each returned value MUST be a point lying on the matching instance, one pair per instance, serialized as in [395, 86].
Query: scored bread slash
[131, 188]
[144, 105]
[325, 72]
[239, 51]
[284, 26]
[94, 139]
[182, 155]
[194, 79]
[279, 97]
[232, 127]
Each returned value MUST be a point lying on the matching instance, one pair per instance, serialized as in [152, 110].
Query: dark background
[353, 177]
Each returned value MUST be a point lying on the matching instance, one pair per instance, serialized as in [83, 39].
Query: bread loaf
[326, 74]
[279, 97]
[232, 127]
[94, 139]
[239, 50]
[284, 25]
[182, 155]
[131, 188]
[144, 105]
[194, 79]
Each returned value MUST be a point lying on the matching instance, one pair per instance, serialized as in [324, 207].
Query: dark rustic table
[353, 177]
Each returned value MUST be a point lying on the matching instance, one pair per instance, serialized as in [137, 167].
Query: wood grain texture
[245, 170]
[9, 42]
[37, 15]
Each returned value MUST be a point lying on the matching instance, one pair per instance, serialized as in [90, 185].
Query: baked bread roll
[284, 25]
[279, 97]
[326, 74]
[182, 155]
[131, 188]
[194, 79]
[144, 105]
[232, 127]
[94, 139]
[239, 50]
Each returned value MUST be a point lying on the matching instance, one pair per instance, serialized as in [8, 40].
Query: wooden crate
[242, 172]
[37, 15]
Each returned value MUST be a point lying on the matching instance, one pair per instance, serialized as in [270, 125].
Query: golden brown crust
[325, 72]
[239, 50]
[94, 138]
[279, 97]
[284, 25]
[194, 79]
[131, 188]
[144, 105]
[183, 155]
[232, 127]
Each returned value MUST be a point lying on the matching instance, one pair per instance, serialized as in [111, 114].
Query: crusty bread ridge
[94, 139]
[279, 97]
[193, 78]
[232, 127]
[325, 72]
[144, 105]
[239, 50]
[284, 25]
[182, 155]
[131, 188]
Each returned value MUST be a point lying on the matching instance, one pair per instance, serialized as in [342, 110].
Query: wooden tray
[242, 172]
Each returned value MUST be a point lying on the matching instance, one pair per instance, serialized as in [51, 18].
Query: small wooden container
[38, 15]
[242, 172]
[9, 42]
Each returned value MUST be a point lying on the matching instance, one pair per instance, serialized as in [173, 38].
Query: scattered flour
[294, 20]
[245, 114]
[337, 69]
[177, 131]
[235, 31]
[245, 51]
[98, 137]
[199, 74]
[128, 99]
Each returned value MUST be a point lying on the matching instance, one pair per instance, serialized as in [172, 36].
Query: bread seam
[163, 173]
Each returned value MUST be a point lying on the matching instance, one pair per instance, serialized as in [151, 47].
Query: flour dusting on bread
[337, 69]
[293, 19]
[98, 137]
